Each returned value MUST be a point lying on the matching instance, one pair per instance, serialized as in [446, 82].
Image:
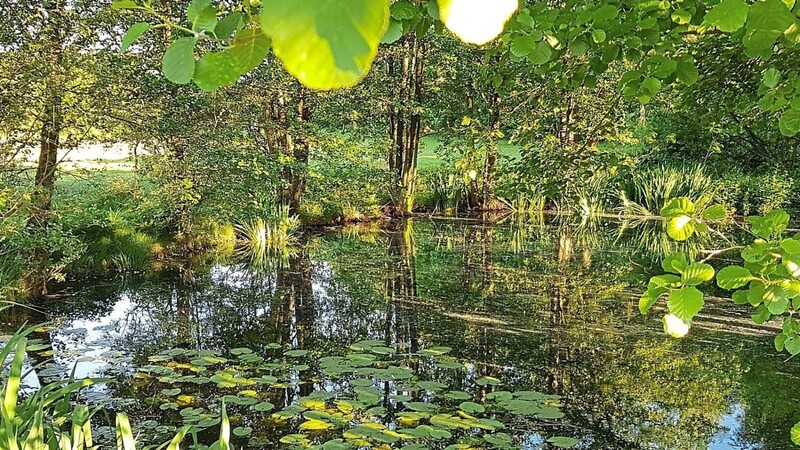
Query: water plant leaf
[563, 442]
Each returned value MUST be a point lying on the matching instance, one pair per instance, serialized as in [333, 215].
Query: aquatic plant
[263, 239]
[370, 395]
[48, 419]
[447, 190]
[645, 192]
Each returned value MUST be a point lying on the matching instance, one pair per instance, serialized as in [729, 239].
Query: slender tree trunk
[281, 140]
[405, 121]
[49, 144]
[491, 150]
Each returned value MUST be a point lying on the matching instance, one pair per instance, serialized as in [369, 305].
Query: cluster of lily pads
[368, 396]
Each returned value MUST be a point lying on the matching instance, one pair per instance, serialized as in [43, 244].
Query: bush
[747, 194]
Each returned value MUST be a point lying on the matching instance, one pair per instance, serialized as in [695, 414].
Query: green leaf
[681, 16]
[675, 263]
[681, 228]
[215, 70]
[579, 46]
[598, 36]
[178, 61]
[206, 20]
[476, 22]
[250, 47]
[393, 33]
[676, 207]
[728, 15]
[733, 277]
[403, 9]
[242, 431]
[766, 20]
[326, 44]
[685, 303]
[761, 315]
[541, 54]
[715, 212]
[228, 25]
[649, 298]
[133, 34]
[563, 442]
[697, 273]
[664, 281]
[195, 8]
[523, 45]
[792, 344]
[686, 70]
[795, 434]
[771, 77]
[125, 4]
[789, 122]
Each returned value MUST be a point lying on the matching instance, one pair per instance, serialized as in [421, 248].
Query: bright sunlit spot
[674, 326]
[477, 21]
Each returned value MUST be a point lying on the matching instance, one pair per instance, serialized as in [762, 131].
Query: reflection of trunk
[293, 312]
[487, 267]
[287, 137]
[565, 248]
[401, 289]
[407, 70]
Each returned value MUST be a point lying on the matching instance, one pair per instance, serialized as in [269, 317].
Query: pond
[426, 334]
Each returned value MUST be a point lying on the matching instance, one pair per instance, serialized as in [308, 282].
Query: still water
[544, 309]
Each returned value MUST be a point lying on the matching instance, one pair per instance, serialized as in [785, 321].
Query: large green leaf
[697, 273]
[675, 263]
[733, 277]
[686, 71]
[178, 61]
[766, 20]
[715, 212]
[326, 44]
[133, 33]
[250, 47]
[475, 21]
[681, 206]
[215, 70]
[685, 303]
[649, 298]
[796, 434]
[681, 228]
[789, 122]
[541, 54]
[728, 15]
[228, 25]
[522, 46]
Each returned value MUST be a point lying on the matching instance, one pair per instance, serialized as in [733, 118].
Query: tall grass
[262, 239]
[447, 190]
[648, 190]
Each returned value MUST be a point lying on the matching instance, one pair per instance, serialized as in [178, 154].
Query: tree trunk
[405, 122]
[491, 150]
[281, 140]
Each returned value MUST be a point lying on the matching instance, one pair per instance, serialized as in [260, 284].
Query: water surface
[544, 307]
